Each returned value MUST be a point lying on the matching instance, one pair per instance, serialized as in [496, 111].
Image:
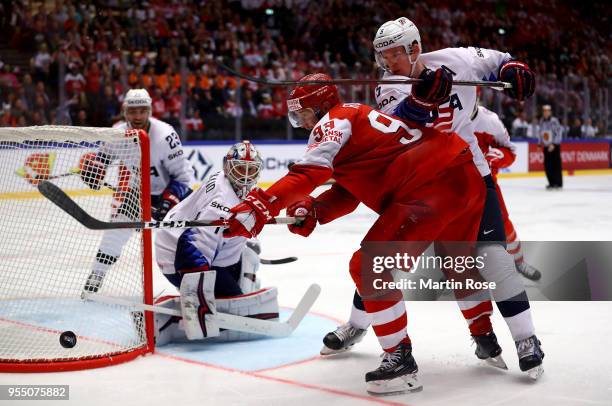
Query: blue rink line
[264, 353]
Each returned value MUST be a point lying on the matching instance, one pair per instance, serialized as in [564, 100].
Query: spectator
[588, 131]
[520, 125]
[265, 110]
[575, 129]
[74, 81]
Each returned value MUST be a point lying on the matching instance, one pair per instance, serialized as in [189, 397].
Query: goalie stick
[64, 202]
[231, 321]
[267, 82]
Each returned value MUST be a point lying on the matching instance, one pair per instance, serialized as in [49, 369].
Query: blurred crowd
[101, 51]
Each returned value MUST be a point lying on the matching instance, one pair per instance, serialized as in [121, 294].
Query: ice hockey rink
[575, 335]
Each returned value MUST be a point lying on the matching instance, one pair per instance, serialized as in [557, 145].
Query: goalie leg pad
[261, 304]
[168, 328]
[198, 305]
[248, 273]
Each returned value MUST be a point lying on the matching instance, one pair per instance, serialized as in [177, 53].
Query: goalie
[213, 274]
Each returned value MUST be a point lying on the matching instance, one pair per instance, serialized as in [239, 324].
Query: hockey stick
[231, 321]
[64, 202]
[278, 261]
[37, 179]
[267, 82]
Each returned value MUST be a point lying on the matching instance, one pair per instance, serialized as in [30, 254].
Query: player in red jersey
[420, 181]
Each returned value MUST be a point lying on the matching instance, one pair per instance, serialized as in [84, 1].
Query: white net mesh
[47, 257]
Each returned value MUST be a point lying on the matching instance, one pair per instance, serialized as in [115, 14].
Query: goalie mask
[242, 166]
[395, 33]
[137, 108]
[319, 98]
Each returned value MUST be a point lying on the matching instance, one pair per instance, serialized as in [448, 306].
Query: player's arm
[314, 169]
[92, 168]
[181, 176]
[491, 65]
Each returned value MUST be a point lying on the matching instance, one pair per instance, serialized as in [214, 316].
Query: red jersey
[373, 156]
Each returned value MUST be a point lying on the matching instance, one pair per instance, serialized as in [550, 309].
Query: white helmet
[394, 33]
[242, 166]
[136, 98]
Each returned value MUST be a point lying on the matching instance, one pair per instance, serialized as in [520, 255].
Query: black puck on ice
[68, 339]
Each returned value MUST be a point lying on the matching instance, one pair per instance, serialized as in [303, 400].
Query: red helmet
[320, 98]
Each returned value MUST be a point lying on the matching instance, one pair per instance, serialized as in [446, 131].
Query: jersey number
[173, 140]
[389, 125]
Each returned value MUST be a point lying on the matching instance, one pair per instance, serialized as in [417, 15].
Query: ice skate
[488, 350]
[396, 374]
[530, 356]
[342, 339]
[528, 271]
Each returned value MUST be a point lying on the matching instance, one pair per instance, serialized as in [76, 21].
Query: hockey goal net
[46, 256]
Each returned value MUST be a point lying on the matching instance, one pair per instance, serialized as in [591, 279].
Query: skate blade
[395, 386]
[497, 362]
[326, 351]
[535, 372]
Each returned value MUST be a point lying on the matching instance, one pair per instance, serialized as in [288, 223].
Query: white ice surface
[575, 335]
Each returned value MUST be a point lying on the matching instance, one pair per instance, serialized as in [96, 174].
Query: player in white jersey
[436, 102]
[172, 178]
[221, 271]
[499, 151]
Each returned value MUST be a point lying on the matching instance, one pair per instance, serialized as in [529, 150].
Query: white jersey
[454, 115]
[210, 202]
[168, 161]
[489, 123]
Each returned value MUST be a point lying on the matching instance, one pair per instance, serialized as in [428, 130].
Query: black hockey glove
[521, 77]
[434, 88]
[168, 201]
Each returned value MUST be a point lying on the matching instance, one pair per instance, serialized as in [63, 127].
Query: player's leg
[386, 309]
[509, 294]
[348, 334]
[558, 167]
[126, 207]
[475, 304]
[514, 247]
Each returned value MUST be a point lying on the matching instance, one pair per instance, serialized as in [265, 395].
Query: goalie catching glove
[92, 170]
[248, 218]
[303, 208]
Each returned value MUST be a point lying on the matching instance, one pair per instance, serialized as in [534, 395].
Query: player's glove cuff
[414, 110]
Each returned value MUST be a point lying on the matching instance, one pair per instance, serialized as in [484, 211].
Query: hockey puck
[68, 339]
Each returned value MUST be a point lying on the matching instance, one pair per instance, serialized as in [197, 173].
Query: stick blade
[278, 261]
[64, 202]
[304, 306]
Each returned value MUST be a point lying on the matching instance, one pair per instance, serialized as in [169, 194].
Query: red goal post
[46, 256]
